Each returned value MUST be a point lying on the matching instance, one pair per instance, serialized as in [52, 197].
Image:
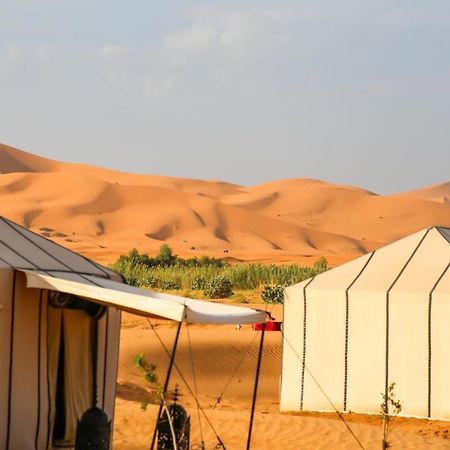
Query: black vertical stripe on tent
[347, 316]
[11, 349]
[105, 359]
[386, 362]
[430, 302]
[48, 377]
[38, 420]
[302, 386]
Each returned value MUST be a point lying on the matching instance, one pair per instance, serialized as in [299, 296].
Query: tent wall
[24, 375]
[6, 279]
[380, 319]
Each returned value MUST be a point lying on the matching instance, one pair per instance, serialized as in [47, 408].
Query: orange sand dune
[102, 213]
[437, 192]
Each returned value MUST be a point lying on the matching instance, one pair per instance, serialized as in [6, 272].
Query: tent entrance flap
[140, 301]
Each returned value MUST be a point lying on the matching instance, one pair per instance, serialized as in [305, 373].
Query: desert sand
[102, 213]
[216, 353]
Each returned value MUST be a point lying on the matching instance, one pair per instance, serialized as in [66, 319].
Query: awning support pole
[255, 388]
[166, 382]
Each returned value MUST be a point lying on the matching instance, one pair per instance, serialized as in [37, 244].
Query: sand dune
[437, 193]
[102, 212]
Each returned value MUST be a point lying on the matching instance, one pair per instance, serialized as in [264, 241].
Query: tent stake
[255, 388]
[166, 382]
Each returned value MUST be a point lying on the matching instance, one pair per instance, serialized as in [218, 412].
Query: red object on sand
[270, 326]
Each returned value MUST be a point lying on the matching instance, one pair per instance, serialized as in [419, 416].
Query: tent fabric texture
[43, 347]
[382, 318]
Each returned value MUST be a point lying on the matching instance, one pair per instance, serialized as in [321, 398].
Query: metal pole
[166, 382]
[255, 389]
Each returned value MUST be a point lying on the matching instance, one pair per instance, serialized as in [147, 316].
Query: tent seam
[386, 380]
[38, 419]
[11, 350]
[430, 300]
[302, 388]
[347, 314]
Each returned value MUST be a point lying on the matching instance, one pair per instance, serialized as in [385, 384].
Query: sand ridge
[101, 212]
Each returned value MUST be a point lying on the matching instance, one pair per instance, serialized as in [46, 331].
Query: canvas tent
[381, 318]
[37, 339]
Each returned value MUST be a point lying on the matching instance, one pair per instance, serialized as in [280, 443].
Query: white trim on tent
[143, 302]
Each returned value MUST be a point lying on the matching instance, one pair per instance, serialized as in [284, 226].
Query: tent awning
[140, 301]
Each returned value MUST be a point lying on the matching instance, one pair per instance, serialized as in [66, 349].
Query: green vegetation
[273, 294]
[207, 277]
[390, 407]
[218, 287]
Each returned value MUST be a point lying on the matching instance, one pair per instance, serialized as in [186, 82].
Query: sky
[350, 91]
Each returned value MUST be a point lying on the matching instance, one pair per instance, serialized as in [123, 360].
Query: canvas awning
[140, 301]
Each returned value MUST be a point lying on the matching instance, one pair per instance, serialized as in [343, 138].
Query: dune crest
[103, 213]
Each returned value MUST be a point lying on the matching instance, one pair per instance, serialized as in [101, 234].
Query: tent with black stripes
[59, 336]
[383, 318]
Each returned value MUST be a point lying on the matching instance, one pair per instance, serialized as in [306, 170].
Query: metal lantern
[93, 431]
[181, 423]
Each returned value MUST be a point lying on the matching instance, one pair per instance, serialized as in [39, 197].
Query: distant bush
[169, 272]
[166, 258]
[168, 285]
[198, 284]
[273, 294]
[321, 265]
[218, 287]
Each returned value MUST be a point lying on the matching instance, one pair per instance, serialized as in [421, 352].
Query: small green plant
[273, 294]
[149, 375]
[218, 287]
[390, 407]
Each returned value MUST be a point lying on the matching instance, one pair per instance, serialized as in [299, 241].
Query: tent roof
[143, 302]
[418, 263]
[22, 249]
[48, 265]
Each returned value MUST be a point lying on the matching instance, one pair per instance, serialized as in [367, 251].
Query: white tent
[381, 318]
[37, 339]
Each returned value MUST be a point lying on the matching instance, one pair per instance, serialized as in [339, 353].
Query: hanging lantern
[93, 431]
[181, 423]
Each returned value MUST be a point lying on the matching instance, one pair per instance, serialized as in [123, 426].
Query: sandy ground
[224, 360]
[103, 213]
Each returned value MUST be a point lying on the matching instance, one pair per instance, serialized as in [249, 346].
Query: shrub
[218, 287]
[321, 265]
[273, 294]
[167, 285]
[198, 283]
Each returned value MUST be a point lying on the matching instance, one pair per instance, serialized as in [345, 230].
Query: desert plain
[102, 213]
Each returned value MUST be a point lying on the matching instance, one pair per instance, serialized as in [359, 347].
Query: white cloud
[241, 34]
[197, 37]
[9, 58]
[112, 51]
[45, 52]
